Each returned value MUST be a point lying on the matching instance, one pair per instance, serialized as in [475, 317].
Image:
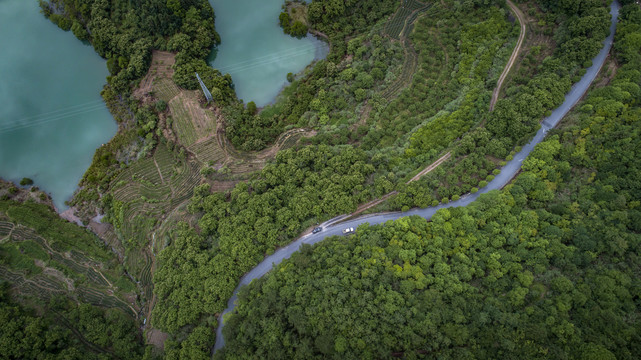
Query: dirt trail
[162, 180]
[93, 347]
[103, 276]
[431, 167]
[371, 204]
[515, 54]
[375, 202]
[8, 237]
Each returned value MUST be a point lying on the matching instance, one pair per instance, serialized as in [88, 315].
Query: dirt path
[8, 237]
[515, 54]
[371, 204]
[162, 180]
[375, 202]
[103, 276]
[431, 167]
[91, 346]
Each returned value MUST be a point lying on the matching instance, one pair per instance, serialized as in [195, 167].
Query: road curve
[515, 54]
[330, 227]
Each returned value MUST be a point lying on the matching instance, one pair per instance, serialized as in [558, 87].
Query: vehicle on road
[348, 230]
[317, 230]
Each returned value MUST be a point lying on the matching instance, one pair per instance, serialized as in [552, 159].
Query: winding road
[331, 228]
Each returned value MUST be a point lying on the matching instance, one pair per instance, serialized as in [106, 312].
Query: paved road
[507, 173]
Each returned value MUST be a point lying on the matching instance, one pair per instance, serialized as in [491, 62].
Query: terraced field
[21, 233]
[182, 122]
[63, 272]
[93, 297]
[150, 189]
[405, 78]
[165, 89]
[209, 152]
[400, 27]
[191, 121]
[183, 181]
[404, 17]
[158, 78]
[37, 286]
[5, 229]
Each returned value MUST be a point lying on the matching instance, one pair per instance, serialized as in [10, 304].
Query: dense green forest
[301, 188]
[514, 120]
[547, 268]
[65, 330]
[199, 271]
[61, 289]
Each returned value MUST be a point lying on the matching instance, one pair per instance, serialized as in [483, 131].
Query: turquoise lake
[52, 117]
[255, 51]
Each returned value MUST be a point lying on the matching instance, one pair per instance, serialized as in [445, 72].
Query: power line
[90, 103]
[49, 119]
[264, 60]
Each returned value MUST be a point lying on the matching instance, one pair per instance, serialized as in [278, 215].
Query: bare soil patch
[297, 12]
[162, 63]
[157, 338]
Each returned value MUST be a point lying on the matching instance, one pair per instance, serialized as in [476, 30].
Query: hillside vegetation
[194, 195]
[547, 268]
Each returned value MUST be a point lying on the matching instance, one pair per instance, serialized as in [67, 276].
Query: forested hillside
[515, 118]
[125, 32]
[65, 330]
[195, 195]
[547, 268]
[63, 294]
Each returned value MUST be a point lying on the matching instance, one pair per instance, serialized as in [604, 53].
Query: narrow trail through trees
[515, 54]
[363, 207]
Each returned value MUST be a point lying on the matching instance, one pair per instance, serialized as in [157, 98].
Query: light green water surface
[255, 51]
[51, 115]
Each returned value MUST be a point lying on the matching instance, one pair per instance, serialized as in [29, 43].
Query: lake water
[255, 51]
[52, 117]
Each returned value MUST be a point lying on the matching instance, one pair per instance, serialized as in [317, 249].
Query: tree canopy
[546, 268]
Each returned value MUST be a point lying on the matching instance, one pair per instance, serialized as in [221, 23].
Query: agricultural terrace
[433, 104]
[150, 196]
[191, 122]
[403, 18]
[158, 79]
[145, 192]
[39, 268]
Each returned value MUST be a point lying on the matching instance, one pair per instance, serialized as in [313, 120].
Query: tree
[26, 182]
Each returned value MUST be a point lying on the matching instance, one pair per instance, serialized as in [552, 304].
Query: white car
[348, 230]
